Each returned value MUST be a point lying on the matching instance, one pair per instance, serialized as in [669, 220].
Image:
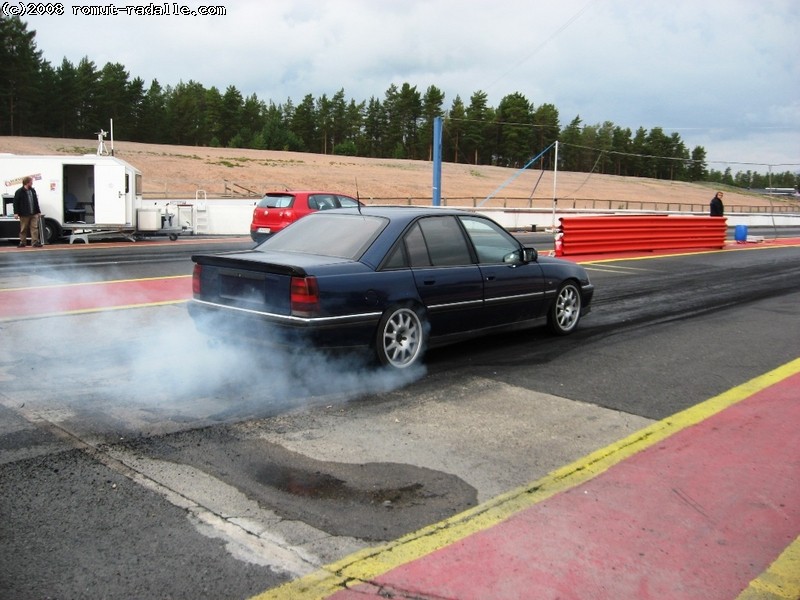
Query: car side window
[445, 241]
[416, 248]
[492, 243]
[396, 258]
[322, 201]
[347, 202]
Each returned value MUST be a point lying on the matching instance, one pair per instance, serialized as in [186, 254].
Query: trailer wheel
[52, 231]
[173, 236]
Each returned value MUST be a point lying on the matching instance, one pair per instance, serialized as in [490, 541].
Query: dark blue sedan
[395, 280]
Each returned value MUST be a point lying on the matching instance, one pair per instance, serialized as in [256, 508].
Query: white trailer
[79, 196]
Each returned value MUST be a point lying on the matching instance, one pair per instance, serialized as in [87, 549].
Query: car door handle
[490, 278]
[429, 282]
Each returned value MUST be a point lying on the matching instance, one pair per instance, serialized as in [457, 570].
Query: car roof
[404, 212]
[282, 192]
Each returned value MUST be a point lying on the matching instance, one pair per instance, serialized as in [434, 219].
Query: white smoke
[146, 370]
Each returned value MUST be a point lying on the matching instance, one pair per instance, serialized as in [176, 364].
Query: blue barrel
[740, 233]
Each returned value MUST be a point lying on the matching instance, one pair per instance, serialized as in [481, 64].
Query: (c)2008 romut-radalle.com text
[29, 9]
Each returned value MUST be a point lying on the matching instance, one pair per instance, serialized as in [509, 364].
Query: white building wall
[232, 216]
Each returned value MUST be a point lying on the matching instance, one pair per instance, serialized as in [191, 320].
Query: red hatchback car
[276, 210]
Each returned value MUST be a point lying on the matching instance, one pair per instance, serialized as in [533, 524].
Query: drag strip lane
[140, 384]
[52, 300]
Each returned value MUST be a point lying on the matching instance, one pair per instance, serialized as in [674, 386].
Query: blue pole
[437, 161]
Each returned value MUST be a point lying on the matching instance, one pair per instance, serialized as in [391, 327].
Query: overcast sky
[723, 74]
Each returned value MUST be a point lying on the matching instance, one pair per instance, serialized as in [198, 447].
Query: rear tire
[401, 338]
[565, 312]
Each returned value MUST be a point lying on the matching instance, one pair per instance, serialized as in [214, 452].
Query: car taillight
[304, 296]
[196, 274]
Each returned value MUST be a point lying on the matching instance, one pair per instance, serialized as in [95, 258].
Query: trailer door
[109, 194]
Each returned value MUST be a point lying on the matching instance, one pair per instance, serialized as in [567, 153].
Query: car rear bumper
[341, 332]
[259, 236]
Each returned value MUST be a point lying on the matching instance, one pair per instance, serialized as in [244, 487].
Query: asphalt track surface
[714, 511]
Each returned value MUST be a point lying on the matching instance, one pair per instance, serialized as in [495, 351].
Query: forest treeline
[75, 101]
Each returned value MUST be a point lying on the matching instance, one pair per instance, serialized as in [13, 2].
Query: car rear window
[327, 234]
[276, 201]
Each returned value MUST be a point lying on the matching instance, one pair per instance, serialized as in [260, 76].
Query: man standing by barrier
[26, 209]
[717, 208]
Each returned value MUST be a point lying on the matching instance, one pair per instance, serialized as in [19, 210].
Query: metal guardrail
[781, 207]
[592, 204]
[604, 234]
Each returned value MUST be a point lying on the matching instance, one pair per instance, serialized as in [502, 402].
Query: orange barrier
[602, 234]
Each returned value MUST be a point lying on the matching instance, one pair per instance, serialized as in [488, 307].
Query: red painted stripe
[698, 515]
[87, 296]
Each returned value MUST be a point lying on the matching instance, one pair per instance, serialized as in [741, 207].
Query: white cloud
[723, 74]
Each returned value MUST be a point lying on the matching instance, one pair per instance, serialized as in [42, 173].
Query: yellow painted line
[781, 581]
[369, 563]
[89, 283]
[84, 311]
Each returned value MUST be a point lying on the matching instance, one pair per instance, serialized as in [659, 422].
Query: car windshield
[327, 234]
[276, 201]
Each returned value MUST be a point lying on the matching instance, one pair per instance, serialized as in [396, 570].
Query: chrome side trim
[455, 304]
[531, 296]
[290, 318]
[517, 297]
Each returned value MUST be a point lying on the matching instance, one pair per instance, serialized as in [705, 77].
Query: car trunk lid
[257, 281]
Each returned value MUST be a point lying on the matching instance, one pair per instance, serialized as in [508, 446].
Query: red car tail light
[196, 273]
[304, 296]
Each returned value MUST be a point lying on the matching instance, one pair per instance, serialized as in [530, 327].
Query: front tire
[565, 312]
[401, 338]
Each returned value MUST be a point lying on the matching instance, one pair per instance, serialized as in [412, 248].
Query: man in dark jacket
[26, 209]
[717, 209]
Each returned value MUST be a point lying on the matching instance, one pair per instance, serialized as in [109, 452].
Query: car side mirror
[522, 256]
